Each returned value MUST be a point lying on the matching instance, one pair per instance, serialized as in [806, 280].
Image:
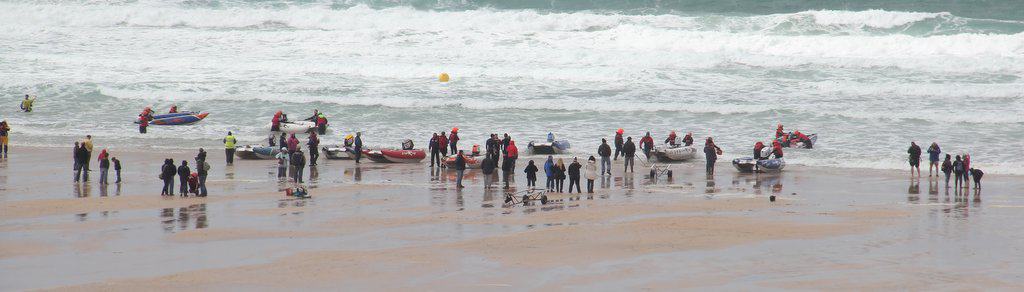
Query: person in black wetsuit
[167, 175]
[183, 172]
[915, 158]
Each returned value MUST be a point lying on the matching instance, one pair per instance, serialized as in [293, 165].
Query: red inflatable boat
[395, 156]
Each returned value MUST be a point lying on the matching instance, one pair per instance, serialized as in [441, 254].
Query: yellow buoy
[443, 77]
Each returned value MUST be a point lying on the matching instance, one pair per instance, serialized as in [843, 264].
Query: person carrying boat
[757, 150]
[26, 104]
[646, 144]
[229, 148]
[618, 143]
[173, 110]
[688, 140]
[453, 140]
[672, 139]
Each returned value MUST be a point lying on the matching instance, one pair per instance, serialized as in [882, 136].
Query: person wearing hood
[688, 139]
[672, 139]
[104, 160]
[629, 154]
[549, 172]
[605, 152]
[711, 152]
[298, 161]
[314, 148]
[460, 169]
[453, 140]
[757, 150]
[283, 161]
[915, 158]
[283, 141]
[618, 144]
[293, 144]
[531, 174]
[591, 174]
[646, 144]
[167, 172]
[574, 175]
[947, 168]
[229, 148]
[933, 158]
[183, 172]
[967, 169]
[275, 122]
[511, 154]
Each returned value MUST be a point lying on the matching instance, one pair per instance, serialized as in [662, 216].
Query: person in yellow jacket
[4, 133]
[26, 105]
[87, 143]
[229, 148]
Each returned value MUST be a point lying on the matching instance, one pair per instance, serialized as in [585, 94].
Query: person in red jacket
[800, 137]
[688, 139]
[453, 140]
[671, 140]
[511, 154]
[275, 123]
[143, 123]
[757, 150]
[442, 141]
[779, 132]
[647, 143]
[776, 149]
[293, 144]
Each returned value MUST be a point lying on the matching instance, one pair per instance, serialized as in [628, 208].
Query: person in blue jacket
[549, 171]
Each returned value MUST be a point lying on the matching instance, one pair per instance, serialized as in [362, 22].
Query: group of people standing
[189, 181]
[960, 168]
[82, 155]
[556, 174]
[499, 151]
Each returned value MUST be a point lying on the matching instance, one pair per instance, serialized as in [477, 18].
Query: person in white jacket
[591, 173]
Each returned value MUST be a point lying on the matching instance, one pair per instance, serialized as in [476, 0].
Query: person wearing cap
[229, 148]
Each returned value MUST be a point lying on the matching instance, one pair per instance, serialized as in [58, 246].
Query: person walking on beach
[453, 140]
[104, 166]
[574, 175]
[203, 169]
[629, 154]
[314, 148]
[605, 152]
[531, 174]
[460, 169]
[167, 172]
[87, 144]
[117, 169]
[5, 132]
[711, 152]
[435, 151]
[915, 158]
[591, 174]
[947, 167]
[646, 144]
[299, 163]
[933, 158]
[618, 144]
[183, 172]
[549, 172]
[358, 146]
[283, 162]
[958, 172]
[229, 148]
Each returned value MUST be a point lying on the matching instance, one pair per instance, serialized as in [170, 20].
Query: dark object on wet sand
[512, 199]
[298, 192]
[771, 198]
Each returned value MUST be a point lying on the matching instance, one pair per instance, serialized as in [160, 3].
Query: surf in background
[868, 77]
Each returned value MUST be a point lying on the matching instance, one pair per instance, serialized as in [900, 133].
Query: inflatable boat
[339, 152]
[256, 152]
[747, 164]
[471, 161]
[164, 116]
[793, 144]
[186, 119]
[556, 147]
[395, 155]
[294, 127]
[674, 153]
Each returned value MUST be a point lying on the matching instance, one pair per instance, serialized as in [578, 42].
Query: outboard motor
[407, 144]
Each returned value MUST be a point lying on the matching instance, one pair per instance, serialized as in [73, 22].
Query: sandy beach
[391, 227]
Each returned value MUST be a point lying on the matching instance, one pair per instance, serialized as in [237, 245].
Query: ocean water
[867, 76]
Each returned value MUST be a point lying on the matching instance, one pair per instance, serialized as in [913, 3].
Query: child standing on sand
[117, 169]
[531, 174]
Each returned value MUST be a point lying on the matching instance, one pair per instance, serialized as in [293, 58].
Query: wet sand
[386, 227]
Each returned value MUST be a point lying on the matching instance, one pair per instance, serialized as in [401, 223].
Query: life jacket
[512, 151]
[476, 149]
[758, 147]
[229, 142]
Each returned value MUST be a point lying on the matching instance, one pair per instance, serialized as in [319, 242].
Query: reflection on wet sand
[193, 216]
[914, 191]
